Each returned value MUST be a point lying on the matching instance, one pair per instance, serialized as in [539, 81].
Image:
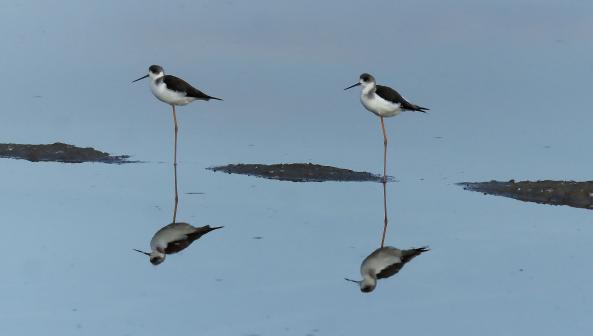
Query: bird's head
[366, 80]
[156, 257]
[154, 72]
[367, 284]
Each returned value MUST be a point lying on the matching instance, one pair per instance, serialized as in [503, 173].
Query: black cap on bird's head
[157, 259]
[367, 288]
[155, 69]
[367, 78]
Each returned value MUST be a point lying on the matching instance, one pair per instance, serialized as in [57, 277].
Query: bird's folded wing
[200, 231]
[177, 246]
[397, 263]
[390, 270]
[179, 85]
[393, 96]
[390, 94]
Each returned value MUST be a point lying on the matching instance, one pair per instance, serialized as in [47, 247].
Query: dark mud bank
[299, 172]
[574, 194]
[58, 152]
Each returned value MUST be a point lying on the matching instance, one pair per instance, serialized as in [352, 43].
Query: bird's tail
[421, 249]
[210, 97]
[407, 255]
[210, 228]
[421, 109]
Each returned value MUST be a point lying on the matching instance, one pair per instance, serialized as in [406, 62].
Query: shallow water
[496, 265]
[73, 227]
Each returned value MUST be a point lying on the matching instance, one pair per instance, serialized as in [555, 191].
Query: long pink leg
[175, 165]
[384, 181]
[384, 151]
[385, 211]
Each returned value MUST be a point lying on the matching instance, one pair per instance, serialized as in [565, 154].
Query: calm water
[508, 84]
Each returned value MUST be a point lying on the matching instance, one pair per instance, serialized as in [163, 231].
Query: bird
[383, 263]
[173, 91]
[384, 102]
[174, 238]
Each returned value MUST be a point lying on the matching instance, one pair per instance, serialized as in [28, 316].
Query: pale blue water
[503, 79]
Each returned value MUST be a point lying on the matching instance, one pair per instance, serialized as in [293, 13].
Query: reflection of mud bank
[298, 172]
[575, 194]
[58, 152]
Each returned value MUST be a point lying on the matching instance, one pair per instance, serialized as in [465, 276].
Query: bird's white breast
[170, 233]
[159, 90]
[380, 260]
[379, 106]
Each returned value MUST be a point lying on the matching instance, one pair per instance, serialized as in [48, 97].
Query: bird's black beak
[351, 86]
[148, 254]
[140, 78]
[355, 281]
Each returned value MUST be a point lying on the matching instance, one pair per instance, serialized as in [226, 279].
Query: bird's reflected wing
[199, 232]
[177, 246]
[399, 262]
[390, 270]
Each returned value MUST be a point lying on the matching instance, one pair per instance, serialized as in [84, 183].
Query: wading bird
[383, 263]
[384, 102]
[173, 91]
[174, 238]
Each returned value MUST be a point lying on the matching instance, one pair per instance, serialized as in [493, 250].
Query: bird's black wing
[201, 231]
[182, 244]
[390, 270]
[179, 85]
[177, 246]
[393, 96]
[407, 255]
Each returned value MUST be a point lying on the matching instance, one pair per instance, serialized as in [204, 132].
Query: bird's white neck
[157, 253]
[154, 77]
[368, 281]
[368, 89]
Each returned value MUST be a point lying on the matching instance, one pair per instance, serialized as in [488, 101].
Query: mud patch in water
[299, 172]
[59, 152]
[571, 193]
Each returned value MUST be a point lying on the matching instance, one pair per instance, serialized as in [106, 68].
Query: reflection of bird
[173, 91]
[383, 263]
[383, 101]
[174, 238]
